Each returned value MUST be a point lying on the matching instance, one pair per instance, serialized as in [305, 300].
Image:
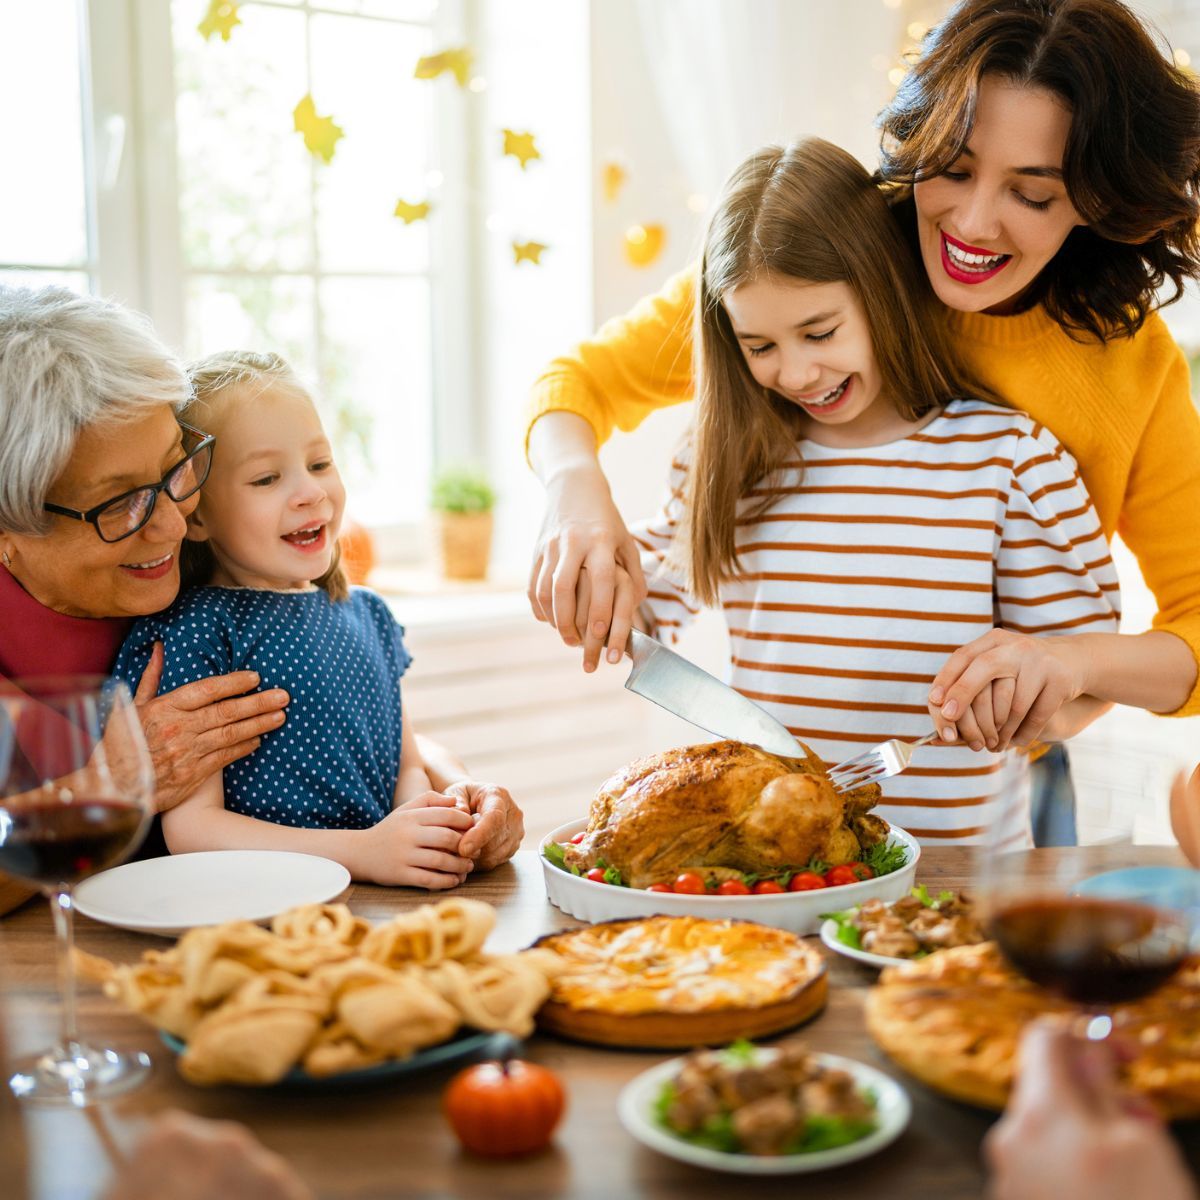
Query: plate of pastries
[323, 994]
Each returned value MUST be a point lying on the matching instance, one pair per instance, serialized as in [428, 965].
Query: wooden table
[390, 1140]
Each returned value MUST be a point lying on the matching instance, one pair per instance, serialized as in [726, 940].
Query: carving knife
[672, 682]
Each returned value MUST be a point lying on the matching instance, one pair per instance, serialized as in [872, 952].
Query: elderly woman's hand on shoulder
[202, 727]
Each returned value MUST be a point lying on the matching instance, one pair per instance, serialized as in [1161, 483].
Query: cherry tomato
[805, 881]
[854, 872]
[596, 875]
[732, 887]
[689, 884]
[767, 887]
[579, 837]
[660, 887]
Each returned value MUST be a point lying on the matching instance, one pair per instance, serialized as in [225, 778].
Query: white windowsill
[421, 598]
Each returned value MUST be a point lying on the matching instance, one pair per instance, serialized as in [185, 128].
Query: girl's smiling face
[810, 344]
[272, 507]
[990, 223]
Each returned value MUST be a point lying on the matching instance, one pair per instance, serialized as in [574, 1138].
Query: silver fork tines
[880, 762]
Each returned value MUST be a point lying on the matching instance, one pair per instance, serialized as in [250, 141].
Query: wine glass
[76, 793]
[1084, 922]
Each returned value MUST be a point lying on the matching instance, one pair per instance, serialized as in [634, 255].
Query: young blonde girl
[263, 591]
[856, 514]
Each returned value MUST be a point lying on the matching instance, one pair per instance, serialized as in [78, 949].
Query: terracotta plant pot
[466, 540]
[358, 551]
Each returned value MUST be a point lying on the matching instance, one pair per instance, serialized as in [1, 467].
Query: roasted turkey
[723, 804]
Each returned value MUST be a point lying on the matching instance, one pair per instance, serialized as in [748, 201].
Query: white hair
[69, 363]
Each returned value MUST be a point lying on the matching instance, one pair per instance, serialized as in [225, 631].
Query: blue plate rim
[454, 1050]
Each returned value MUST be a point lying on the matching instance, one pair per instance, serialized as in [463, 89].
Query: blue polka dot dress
[333, 763]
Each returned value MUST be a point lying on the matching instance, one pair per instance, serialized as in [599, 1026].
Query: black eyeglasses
[124, 515]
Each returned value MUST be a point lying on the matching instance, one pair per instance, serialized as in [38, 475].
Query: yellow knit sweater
[1123, 409]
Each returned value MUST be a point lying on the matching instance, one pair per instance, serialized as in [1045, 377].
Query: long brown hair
[1132, 161]
[214, 381]
[811, 213]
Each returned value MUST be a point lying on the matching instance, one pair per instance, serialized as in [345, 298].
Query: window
[44, 220]
[164, 169]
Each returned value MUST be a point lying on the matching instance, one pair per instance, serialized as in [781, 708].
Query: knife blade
[672, 682]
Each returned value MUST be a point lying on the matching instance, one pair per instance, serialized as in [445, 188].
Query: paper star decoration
[520, 146]
[644, 243]
[409, 213]
[457, 61]
[221, 17]
[528, 252]
[321, 135]
[614, 177]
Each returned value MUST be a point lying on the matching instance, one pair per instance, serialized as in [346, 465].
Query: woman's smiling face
[73, 571]
[1000, 213]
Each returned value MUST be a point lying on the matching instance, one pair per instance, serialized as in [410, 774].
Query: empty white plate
[170, 895]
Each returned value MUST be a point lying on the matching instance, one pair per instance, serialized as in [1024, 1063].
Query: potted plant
[463, 500]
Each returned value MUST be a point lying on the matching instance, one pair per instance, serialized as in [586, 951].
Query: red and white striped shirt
[874, 564]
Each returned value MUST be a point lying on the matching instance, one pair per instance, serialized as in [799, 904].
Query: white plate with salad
[679, 1114]
[606, 898]
[909, 928]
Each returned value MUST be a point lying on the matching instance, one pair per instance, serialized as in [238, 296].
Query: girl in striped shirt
[851, 503]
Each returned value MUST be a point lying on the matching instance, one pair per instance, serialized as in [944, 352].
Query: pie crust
[953, 1020]
[677, 982]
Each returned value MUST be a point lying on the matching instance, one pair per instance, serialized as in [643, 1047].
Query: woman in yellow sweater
[1045, 159]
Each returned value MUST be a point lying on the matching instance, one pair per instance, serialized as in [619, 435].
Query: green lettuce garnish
[847, 932]
[884, 858]
[554, 854]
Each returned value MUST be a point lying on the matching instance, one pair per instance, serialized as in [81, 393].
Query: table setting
[541, 1030]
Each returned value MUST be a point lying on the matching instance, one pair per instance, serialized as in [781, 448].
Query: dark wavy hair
[1132, 162]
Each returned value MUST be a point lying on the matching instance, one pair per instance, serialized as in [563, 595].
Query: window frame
[133, 225]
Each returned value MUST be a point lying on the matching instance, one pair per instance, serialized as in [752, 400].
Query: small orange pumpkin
[358, 550]
[501, 1109]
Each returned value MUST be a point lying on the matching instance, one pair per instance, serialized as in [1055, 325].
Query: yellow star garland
[409, 213]
[221, 17]
[321, 135]
[520, 146]
[457, 61]
[528, 252]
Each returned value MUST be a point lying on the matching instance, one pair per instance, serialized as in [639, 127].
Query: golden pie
[675, 982]
[954, 1019]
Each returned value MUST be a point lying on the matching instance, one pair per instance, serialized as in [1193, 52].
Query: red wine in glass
[1096, 952]
[51, 844]
[76, 794]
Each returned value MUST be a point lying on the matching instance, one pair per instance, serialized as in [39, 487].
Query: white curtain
[716, 66]
[733, 75]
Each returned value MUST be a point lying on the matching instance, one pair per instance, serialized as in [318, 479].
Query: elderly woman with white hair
[96, 478]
